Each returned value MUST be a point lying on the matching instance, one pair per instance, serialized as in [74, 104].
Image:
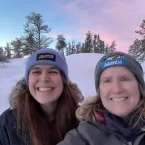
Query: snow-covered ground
[81, 71]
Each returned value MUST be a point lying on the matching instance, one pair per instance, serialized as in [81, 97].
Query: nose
[117, 87]
[44, 77]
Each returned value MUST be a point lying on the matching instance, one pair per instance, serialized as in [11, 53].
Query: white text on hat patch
[46, 56]
[118, 62]
[112, 63]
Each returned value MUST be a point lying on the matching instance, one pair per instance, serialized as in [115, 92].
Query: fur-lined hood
[87, 111]
[17, 88]
[21, 86]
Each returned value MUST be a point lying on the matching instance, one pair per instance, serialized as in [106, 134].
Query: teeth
[118, 99]
[44, 89]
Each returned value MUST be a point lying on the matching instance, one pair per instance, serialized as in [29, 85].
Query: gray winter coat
[90, 133]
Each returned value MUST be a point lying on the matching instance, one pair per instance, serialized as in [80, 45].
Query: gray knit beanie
[119, 59]
[47, 56]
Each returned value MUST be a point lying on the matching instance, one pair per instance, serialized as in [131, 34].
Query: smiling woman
[43, 104]
[43, 92]
[117, 115]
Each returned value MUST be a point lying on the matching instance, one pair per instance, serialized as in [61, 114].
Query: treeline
[91, 44]
[36, 36]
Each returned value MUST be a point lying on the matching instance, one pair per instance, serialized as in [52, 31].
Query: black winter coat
[8, 130]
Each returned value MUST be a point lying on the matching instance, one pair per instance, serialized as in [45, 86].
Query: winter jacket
[95, 133]
[8, 125]
[10, 133]
[8, 130]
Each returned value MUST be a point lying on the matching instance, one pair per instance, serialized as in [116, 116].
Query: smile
[41, 89]
[118, 99]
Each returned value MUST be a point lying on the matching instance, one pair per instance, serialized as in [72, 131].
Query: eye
[125, 79]
[35, 72]
[107, 81]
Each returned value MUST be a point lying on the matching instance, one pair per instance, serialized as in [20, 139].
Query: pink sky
[112, 19]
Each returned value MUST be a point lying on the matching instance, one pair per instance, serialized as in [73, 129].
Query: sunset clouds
[113, 20]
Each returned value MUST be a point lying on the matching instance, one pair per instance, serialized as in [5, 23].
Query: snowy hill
[81, 71]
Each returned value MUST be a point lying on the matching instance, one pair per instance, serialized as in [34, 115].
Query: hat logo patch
[46, 56]
[119, 62]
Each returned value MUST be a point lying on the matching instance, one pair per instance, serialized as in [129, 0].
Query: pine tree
[112, 47]
[18, 46]
[83, 47]
[88, 45]
[73, 47]
[1, 54]
[29, 45]
[3, 58]
[61, 43]
[78, 47]
[96, 40]
[98, 45]
[68, 49]
[101, 46]
[106, 49]
[137, 49]
[35, 27]
[142, 30]
[8, 51]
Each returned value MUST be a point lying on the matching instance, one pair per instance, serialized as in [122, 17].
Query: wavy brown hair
[31, 117]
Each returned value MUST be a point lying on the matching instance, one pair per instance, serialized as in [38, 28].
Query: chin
[122, 115]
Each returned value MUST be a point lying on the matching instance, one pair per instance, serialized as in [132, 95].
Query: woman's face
[45, 84]
[119, 90]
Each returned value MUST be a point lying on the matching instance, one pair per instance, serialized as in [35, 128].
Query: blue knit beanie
[47, 56]
[119, 59]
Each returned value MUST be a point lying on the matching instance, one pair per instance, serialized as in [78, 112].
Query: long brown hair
[32, 118]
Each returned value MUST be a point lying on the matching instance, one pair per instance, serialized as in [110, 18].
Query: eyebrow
[124, 75]
[105, 78]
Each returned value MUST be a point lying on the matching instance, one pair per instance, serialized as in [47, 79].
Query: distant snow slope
[81, 71]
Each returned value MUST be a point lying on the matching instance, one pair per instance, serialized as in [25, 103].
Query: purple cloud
[113, 20]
